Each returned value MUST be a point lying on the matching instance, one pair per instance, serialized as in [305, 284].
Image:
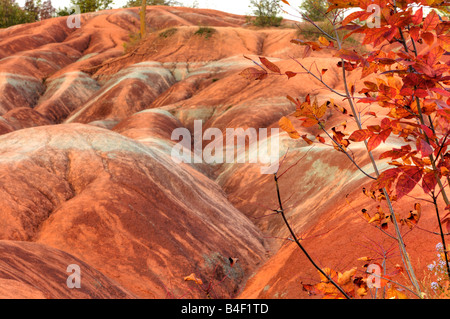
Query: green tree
[315, 10]
[31, 10]
[61, 12]
[266, 12]
[11, 14]
[92, 5]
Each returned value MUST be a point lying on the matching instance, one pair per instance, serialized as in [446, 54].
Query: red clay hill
[87, 178]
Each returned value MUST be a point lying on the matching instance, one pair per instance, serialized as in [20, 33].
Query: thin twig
[300, 245]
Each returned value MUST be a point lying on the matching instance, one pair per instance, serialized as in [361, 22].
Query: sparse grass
[135, 39]
[168, 33]
[207, 32]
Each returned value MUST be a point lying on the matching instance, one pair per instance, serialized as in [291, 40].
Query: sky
[231, 6]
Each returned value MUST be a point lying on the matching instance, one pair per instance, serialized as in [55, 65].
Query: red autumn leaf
[373, 142]
[253, 74]
[431, 21]
[385, 61]
[407, 180]
[385, 123]
[320, 138]
[376, 139]
[290, 74]
[347, 65]
[429, 182]
[423, 147]
[440, 91]
[418, 16]
[414, 33]
[272, 67]
[386, 179]
[406, 91]
[347, 55]
[352, 16]
[385, 134]
[427, 131]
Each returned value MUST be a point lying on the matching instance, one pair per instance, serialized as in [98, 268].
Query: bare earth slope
[87, 176]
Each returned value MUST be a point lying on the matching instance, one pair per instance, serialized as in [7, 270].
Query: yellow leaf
[330, 272]
[286, 125]
[393, 293]
[361, 291]
[324, 41]
[375, 218]
[346, 276]
[320, 111]
[193, 278]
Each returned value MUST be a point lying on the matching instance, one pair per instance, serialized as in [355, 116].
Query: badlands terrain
[87, 178]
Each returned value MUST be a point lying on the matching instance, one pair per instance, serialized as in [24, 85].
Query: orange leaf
[286, 125]
[428, 37]
[364, 259]
[360, 135]
[253, 74]
[393, 293]
[272, 67]
[309, 122]
[431, 21]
